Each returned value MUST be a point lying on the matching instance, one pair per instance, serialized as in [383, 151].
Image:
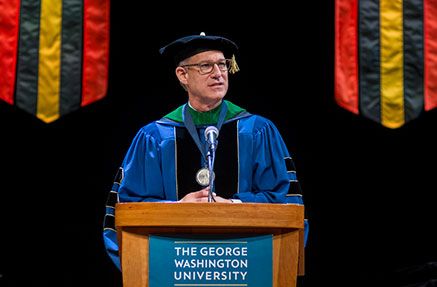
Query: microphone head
[211, 131]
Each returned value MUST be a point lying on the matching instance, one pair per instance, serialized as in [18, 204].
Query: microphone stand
[211, 157]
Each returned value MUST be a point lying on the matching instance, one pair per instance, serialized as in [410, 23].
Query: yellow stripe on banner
[49, 67]
[392, 61]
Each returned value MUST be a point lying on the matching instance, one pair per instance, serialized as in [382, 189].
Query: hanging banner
[54, 54]
[386, 58]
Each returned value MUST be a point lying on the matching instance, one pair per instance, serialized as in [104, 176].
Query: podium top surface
[229, 215]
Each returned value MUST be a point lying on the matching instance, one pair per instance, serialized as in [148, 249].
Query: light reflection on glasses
[208, 67]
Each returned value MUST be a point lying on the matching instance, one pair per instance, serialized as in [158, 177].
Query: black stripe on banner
[413, 58]
[369, 59]
[27, 61]
[71, 56]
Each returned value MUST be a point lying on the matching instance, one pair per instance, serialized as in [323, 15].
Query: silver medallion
[202, 176]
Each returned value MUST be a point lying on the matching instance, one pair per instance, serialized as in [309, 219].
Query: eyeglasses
[208, 67]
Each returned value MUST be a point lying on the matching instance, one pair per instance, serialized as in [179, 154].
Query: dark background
[368, 190]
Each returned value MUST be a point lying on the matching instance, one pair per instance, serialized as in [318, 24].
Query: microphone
[211, 135]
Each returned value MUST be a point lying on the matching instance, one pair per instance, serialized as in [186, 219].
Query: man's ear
[182, 75]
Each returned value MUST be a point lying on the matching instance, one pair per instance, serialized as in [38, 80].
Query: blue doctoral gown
[264, 168]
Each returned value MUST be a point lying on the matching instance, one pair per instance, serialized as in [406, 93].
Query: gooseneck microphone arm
[211, 155]
[211, 135]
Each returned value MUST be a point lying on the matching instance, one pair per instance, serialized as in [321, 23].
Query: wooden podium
[136, 221]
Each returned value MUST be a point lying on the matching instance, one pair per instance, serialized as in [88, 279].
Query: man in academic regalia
[172, 159]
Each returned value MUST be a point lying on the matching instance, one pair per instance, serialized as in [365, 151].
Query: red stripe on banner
[430, 53]
[9, 26]
[346, 54]
[95, 50]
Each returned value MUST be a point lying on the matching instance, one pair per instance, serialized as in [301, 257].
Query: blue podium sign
[210, 260]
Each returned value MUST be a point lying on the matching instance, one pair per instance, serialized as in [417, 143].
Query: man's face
[209, 87]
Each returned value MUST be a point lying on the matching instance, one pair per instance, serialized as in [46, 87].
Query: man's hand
[197, 196]
[202, 196]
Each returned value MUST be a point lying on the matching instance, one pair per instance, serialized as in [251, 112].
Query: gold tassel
[234, 67]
